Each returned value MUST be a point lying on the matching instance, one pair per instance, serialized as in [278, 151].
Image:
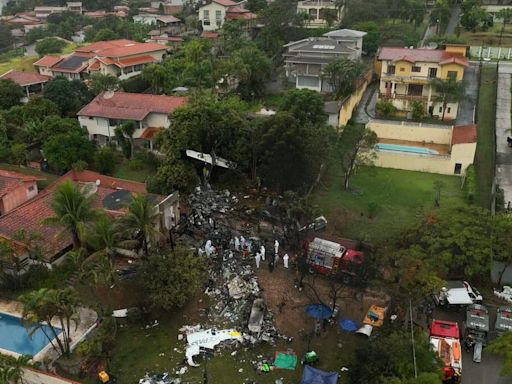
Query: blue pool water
[14, 336]
[405, 148]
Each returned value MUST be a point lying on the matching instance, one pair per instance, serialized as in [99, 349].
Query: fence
[490, 53]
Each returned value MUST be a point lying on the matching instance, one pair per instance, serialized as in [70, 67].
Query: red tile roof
[209, 35]
[173, 9]
[149, 133]
[175, 39]
[463, 134]
[11, 180]
[30, 215]
[168, 19]
[226, 3]
[134, 61]
[25, 78]
[119, 48]
[130, 106]
[420, 55]
[246, 15]
[47, 61]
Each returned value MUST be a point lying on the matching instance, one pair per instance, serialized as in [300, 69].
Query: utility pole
[412, 341]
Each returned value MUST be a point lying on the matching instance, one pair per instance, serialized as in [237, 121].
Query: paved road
[503, 125]
[486, 372]
[454, 20]
[366, 108]
[466, 112]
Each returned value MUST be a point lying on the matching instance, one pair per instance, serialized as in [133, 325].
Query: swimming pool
[14, 336]
[405, 148]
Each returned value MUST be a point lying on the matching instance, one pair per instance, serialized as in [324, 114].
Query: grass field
[21, 63]
[490, 37]
[381, 202]
[486, 119]
[123, 171]
[50, 178]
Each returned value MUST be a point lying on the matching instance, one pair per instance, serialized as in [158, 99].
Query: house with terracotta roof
[108, 193]
[109, 110]
[433, 148]
[213, 14]
[165, 23]
[31, 82]
[406, 76]
[15, 189]
[120, 58]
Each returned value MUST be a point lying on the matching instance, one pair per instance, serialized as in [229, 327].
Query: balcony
[397, 96]
[397, 78]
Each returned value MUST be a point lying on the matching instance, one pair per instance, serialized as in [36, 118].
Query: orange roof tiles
[47, 61]
[464, 134]
[421, 55]
[25, 78]
[130, 106]
[226, 3]
[134, 61]
[11, 180]
[149, 133]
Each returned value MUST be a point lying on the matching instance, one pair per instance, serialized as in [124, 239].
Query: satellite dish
[433, 45]
[98, 182]
[108, 94]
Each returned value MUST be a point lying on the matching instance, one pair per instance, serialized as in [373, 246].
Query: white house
[109, 110]
[213, 14]
[319, 12]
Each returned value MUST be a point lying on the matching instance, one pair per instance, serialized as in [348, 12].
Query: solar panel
[72, 62]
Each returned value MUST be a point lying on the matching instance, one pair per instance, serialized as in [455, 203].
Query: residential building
[42, 12]
[165, 23]
[306, 59]
[15, 189]
[213, 14]
[31, 82]
[120, 58]
[406, 76]
[108, 110]
[433, 148]
[108, 193]
[320, 13]
[75, 6]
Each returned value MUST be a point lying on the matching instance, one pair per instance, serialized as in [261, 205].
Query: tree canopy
[49, 45]
[68, 95]
[10, 94]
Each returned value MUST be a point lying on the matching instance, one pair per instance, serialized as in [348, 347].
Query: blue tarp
[318, 311]
[315, 376]
[348, 325]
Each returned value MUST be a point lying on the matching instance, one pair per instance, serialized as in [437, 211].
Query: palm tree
[72, 211]
[11, 369]
[128, 129]
[140, 221]
[448, 91]
[46, 304]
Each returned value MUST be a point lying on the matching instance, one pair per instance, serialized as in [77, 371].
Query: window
[440, 109]
[91, 117]
[448, 110]
[31, 188]
[458, 168]
[432, 72]
[218, 15]
[402, 69]
[206, 17]
[416, 69]
[391, 69]
[452, 75]
[415, 90]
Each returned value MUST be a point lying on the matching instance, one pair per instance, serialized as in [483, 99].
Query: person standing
[276, 247]
[262, 251]
[285, 260]
[258, 259]
[237, 244]
[242, 243]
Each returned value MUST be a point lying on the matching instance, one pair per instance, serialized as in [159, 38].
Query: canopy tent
[286, 360]
[318, 311]
[316, 376]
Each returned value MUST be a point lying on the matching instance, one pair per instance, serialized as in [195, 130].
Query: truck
[445, 340]
[503, 320]
[457, 293]
[475, 329]
[331, 257]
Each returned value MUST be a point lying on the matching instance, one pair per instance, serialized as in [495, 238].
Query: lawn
[381, 202]
[490, 37]
[21, 63]
[485, 157]
[50, 178]
[123, 171]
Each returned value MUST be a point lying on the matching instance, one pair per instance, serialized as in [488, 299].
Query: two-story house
[321, 13]
[120, 58]
[109, 110]
[15, 189]
[406, 76]
[213, 14]
[306, 59]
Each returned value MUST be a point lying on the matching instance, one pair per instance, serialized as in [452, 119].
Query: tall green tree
[305, 105]
[103, 82]
[50, 45]
[356, 148]
[140, 222]
[503, 346]
[46, 304]
[72, 209]
[342, 74]
[68, 95]
[171, 277]
[253, 70]
[10, 94]
[449, 91]
[64, 150]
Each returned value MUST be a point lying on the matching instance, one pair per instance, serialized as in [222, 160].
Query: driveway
[503, 124]
[486, 372]
[366, 107]
[466, 112]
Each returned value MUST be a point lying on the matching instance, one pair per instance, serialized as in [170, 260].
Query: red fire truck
[444, 337]
[332, 257]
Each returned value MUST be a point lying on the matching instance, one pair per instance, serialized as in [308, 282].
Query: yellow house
[406, 75]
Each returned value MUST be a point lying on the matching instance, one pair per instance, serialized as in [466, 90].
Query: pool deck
[442, 149]
[87, 323]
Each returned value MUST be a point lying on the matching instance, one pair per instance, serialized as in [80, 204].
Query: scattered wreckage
[207, 339]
